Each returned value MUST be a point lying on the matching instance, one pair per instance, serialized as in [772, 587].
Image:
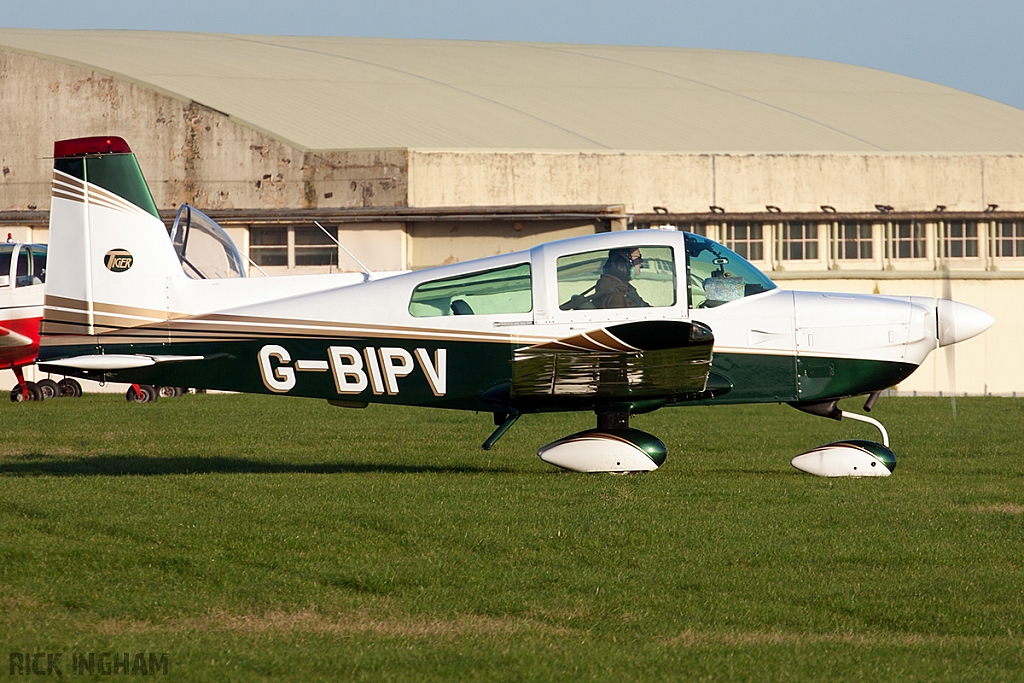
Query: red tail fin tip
[79, 147]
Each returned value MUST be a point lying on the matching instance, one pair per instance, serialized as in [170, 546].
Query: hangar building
[416, 153]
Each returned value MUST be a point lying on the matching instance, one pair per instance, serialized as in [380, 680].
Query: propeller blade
[951, 375]
[947, 294]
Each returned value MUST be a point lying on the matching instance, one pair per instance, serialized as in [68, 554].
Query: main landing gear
[29, 391]
[69, 387]
[148, 393]
[142, 393]
[43, 389]
[612, 447]
[849, 458]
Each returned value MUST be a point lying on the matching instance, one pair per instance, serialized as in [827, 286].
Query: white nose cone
[958, 322]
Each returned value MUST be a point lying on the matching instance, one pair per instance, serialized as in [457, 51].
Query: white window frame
[291, 250]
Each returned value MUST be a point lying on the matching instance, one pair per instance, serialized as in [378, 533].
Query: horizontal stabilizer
[115, 361]
[10, 338]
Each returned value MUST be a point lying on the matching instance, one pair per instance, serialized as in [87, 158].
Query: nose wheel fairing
[849, 458]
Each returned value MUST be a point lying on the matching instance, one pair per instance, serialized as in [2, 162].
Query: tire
[70, 387]
[169, 392]
[147, 394]
[48, 388]
[33, 393]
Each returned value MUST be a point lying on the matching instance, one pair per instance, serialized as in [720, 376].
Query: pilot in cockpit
[613, 289]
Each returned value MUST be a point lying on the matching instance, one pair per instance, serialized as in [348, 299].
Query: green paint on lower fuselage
[235, 366]
[761, 378]
[472, 369]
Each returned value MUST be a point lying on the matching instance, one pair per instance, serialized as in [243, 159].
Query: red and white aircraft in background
[22, 274]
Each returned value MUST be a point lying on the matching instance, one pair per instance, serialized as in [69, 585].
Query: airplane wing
[660, 359]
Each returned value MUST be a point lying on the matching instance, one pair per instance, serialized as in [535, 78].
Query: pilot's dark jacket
[611, 292]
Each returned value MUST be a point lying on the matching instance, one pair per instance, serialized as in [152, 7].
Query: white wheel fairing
[847, 459]
[623, 450]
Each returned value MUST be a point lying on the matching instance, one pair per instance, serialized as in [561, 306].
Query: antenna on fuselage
[369, 275]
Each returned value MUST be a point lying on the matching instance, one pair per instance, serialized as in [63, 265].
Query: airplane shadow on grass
[38, 464]
[41, 464]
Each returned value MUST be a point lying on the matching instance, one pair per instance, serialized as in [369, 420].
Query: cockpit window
[502, 290]
[31, 266]
[204, 249]
[719, 275]
[6, 252]
[626, 277]
[38, 252]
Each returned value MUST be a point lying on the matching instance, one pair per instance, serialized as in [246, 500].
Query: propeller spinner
[957, 321]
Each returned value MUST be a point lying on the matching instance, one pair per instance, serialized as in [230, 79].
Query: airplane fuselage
[617, 323]
[366, 343]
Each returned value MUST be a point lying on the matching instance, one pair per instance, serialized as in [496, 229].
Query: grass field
[256, 538]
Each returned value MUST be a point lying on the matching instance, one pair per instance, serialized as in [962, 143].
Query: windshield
[204, 249]
[719, 275]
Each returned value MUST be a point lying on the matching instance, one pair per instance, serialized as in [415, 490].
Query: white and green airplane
[617, 323]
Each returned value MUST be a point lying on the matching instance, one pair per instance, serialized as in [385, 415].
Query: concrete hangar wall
[827, 176]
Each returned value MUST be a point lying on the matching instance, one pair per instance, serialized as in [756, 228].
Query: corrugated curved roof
[350, 93]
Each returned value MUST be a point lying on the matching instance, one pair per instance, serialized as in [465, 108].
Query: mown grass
[259, 538]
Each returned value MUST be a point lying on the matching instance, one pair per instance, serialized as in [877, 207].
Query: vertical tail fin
[109, 256]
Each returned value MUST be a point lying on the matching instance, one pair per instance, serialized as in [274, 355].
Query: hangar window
[856, 241]
[314, 247]
[268, 246]
[800, 241]
[502, 290]
[627, 277]
[961, 239]
[746, 239]
[910, 240]
[293, 246]
[1010, 238]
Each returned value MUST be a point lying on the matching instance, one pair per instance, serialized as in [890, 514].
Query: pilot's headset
[619, 264]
